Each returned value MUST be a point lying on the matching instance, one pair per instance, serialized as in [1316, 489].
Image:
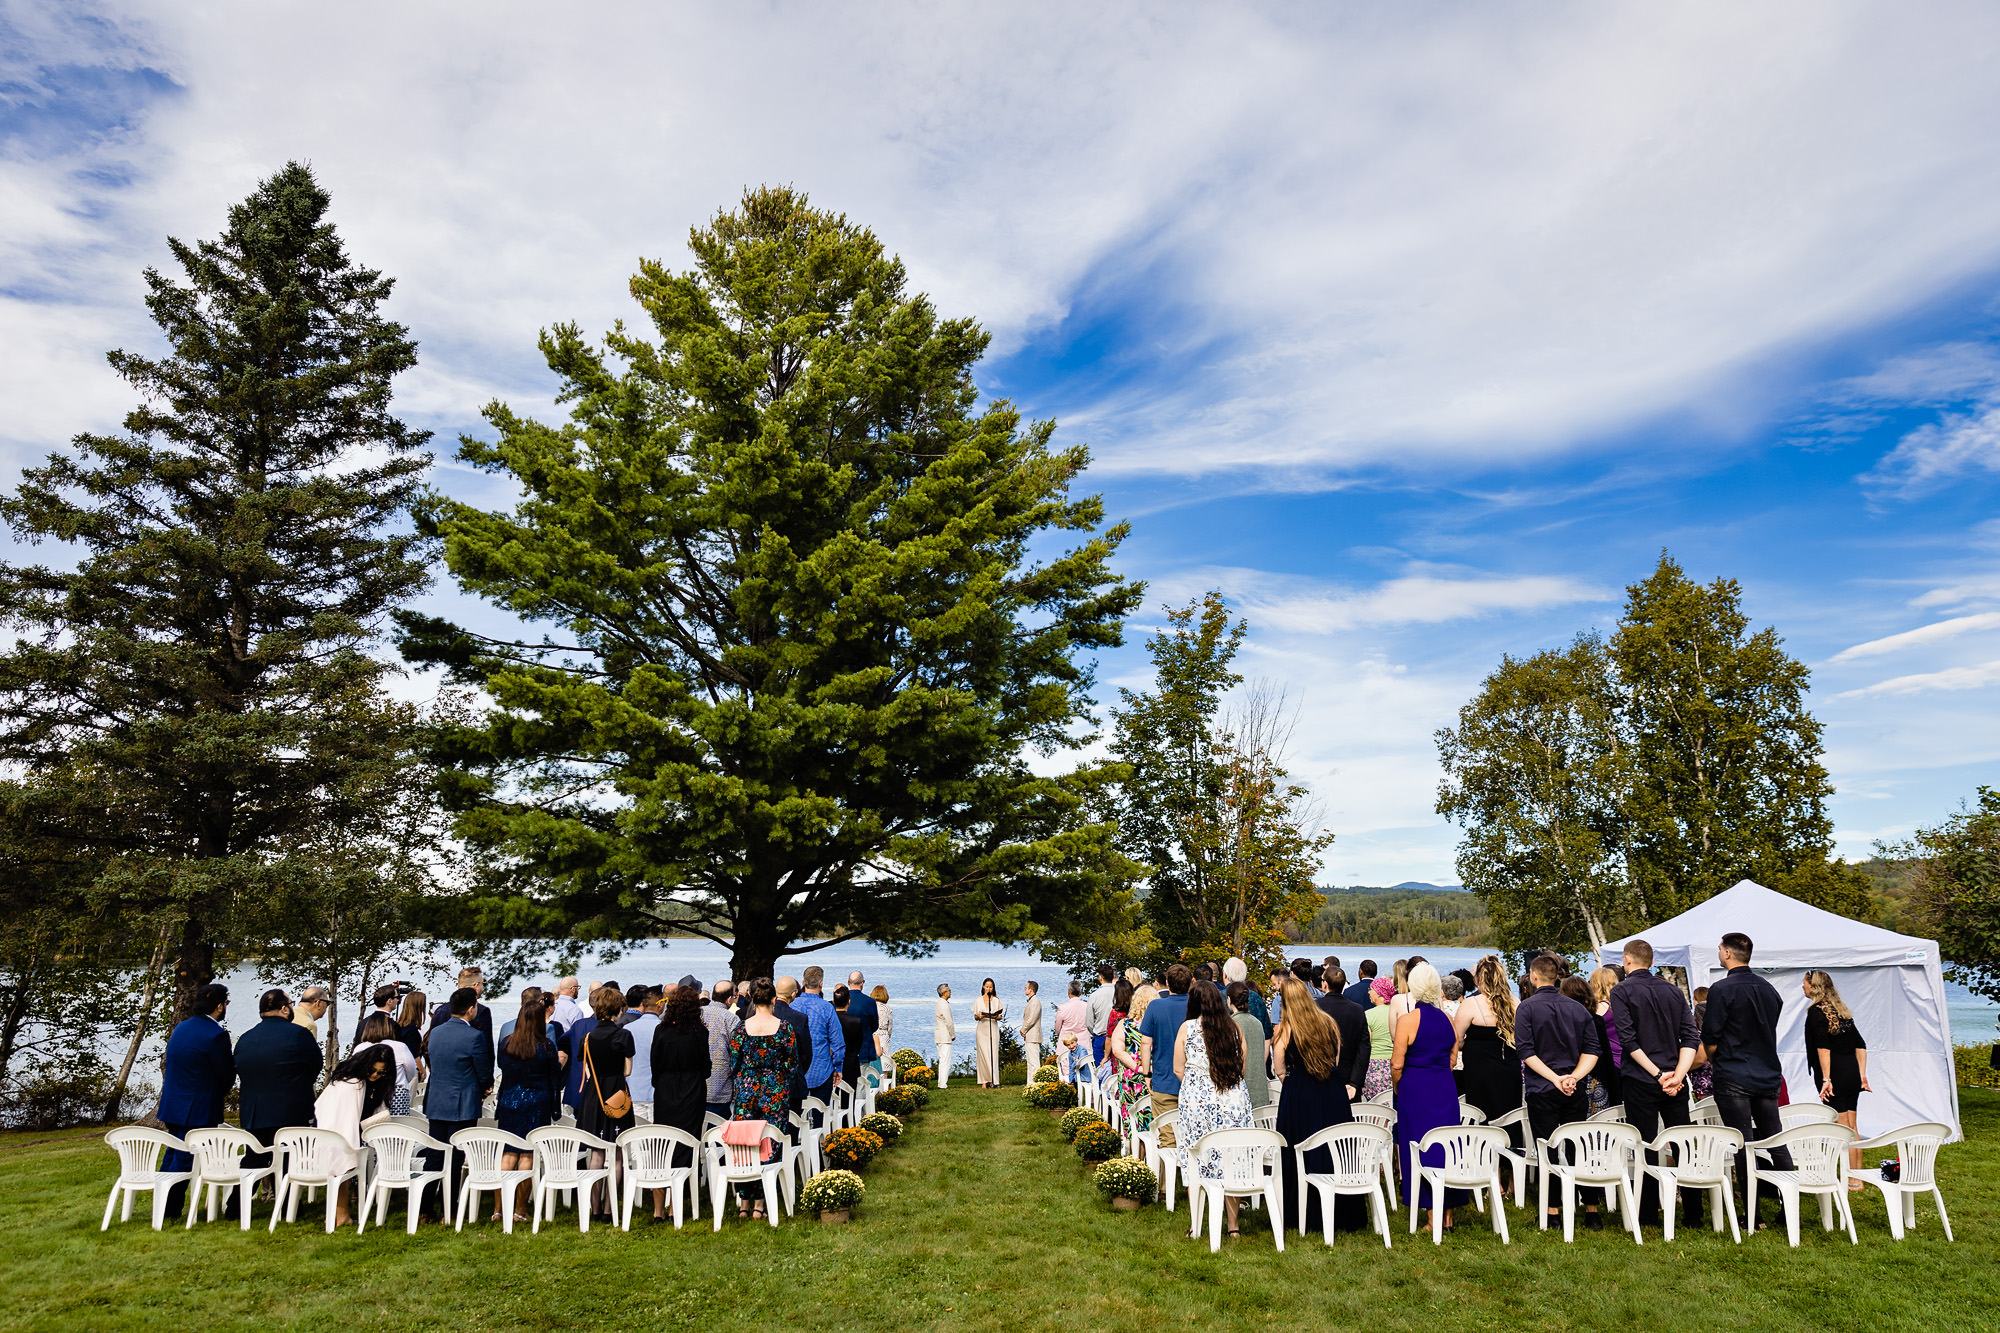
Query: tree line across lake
[797, 623]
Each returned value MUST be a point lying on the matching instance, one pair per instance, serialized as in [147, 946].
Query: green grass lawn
[981, 1217]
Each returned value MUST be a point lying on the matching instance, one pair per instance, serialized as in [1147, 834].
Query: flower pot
[835, 1214]
[1125, 1205]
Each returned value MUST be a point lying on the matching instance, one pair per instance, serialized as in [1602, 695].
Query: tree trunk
[115, 1101]
[750, 959]
[194, 966]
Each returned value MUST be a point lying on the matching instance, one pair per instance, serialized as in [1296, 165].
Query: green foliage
[194, 701]
[1611, 784]
[920, 1076]
[1975, 1066]
[897, 1101]
[831, 1191]
[905, 1058]
[920, 1096]
[1096, 1141]
[1046, 1074]
[1956, 894]
[850, 1149]
[1050, 1096]
[1074, 1120]
[883, 1126]
[810, 612]
[1414, 916]
[1208, 806]
[1127, 1178]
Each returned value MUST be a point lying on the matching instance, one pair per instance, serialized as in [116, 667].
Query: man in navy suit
[461, 1059]
[279, 1063]
[200, 1068]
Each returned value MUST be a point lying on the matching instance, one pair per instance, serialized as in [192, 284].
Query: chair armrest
[1879, 1141]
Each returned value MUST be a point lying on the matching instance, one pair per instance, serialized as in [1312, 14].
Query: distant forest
[1451, 918]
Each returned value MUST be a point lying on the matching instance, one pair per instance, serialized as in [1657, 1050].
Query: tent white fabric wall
[1894, 984]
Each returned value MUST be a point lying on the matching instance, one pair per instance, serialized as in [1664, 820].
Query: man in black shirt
[1558, 1042]
[1740, 1033]
[1352, 1024]
[1656, 1029]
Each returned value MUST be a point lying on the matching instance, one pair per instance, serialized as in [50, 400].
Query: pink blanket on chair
[744, 1133]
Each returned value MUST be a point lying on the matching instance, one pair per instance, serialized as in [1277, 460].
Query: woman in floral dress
[760, 1059]
[1133, 1086]
[1209, 1058]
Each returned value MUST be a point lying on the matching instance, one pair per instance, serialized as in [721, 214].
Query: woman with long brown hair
[1837, 1055]
[410, 1023]
[1306, 1056]
[531, 1086]
[1484, 1024]
[1208, 1057]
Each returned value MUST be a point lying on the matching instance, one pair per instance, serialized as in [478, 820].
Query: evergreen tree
[801, 648]
[1207, 805]
[196, 694]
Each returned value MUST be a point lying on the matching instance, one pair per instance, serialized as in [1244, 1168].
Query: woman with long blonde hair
[1606, 1074]
[1306, 1055]
[1838, 1055]
[1491, 1078]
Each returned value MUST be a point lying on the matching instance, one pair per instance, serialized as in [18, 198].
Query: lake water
[962, 964]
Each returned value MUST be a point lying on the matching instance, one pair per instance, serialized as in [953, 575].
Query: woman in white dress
[380, 1030]
[987, 1011]
[1208, 1056]
[885, 1025]
[944, 1032]
[356, 1096]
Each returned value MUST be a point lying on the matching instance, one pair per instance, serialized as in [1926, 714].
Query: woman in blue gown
[1426, 1094]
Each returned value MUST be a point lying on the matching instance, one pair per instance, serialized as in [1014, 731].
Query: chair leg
[771, 1199]
[1213, 1200]
[1631, 1210]
[1437, 1202]
[1792, 1202]
[412, 1196]
[1569, 1209]
[1276, 1208]
[1943, 1218]
[111, 1206]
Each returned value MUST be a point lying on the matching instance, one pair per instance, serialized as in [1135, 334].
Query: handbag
[619, 1104]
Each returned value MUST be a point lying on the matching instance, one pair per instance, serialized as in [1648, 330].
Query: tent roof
[1787, 933]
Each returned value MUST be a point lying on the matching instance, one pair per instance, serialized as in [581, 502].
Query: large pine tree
[810, 610]
[195, 695]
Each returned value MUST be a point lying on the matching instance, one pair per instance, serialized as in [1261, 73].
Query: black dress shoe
[1594, 1221]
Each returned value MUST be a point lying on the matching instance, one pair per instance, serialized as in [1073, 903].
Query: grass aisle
[981, 1217]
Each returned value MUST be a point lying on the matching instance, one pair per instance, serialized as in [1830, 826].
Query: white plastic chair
[1384, 1118]
[840, 1106]
[806, 1152]
[139, 1153]
[1916, 1152]
[1166, 1161]
[1704, 1111]
[306, 1160]
[1249, 1157]
[480, 1149]
[649, 1151]
[399, 1165]
[1703, 1158]
[559, 1168]
[1819, 1168]
[1265, 1116]
[742, 1164]
[1359, 1152]
[1520, 1161]
[1601, 1154]
[1386, 1097]
[1471, 1163]
[218, 1169]
[1468, 1114]
[1806, 1113]
[1610, 1115]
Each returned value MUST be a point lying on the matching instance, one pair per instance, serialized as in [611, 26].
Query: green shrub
[1074, 1120]
[917, 1076]
[883, 1126]
[1047, 1074]
[850, 1149]
[830, 1191]
[1975, 1068]
[1127, 1178]
[906, 1059]
[1097, 1141]
[897, 1101]
[920, 1095]
[1051, 1096]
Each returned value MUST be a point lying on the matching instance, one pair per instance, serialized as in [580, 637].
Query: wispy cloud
[1943, 629]
[1953, 678]
[1423, 595]
[1934, 454]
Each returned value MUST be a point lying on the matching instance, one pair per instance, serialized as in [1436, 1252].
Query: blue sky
[1420, 330]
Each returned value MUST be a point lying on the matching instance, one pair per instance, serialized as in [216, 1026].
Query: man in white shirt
[1099, 1011]
[567, 1011]
[640, 1081]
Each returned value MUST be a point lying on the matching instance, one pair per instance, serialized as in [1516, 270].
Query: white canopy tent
[1893, 983]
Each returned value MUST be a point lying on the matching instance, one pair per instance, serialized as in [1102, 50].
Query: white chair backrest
[1916, 1151]
[309, 1153]
[1164, 1119]
[1471, 1152]
[1358, 1151]
[1610, 1115]
[139, 1151]
[1265, 1116]
[1367, 1113]
[1818, 1150]
[481, 1149]
[1806, 1113]
[416, 1122]
[808, 1106]
[1701, 1152]
[396, 1147]
[1468, 1114]
[649, 1151]
[559, 1150]
[1703, 1111]
[1598, 1148]
[710, 1120]
[742, 1159]
[1244, 1153]
[219, 1149]
[1387, 1097]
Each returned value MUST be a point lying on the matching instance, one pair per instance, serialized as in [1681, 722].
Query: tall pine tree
[192, 700]
[810, 612]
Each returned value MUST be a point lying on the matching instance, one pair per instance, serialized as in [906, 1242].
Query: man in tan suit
[1031, 1027]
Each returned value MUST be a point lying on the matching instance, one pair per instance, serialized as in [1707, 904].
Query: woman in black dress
[1491, 1078]
[1305, 1053]
[531, 1087]
[1838, 1055]
[680, 1074]
[607, 1062]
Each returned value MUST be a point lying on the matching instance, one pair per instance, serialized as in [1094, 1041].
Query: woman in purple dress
[1426, 1095]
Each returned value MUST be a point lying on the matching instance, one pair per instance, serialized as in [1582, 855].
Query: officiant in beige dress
[987, 1012]
[1031, 1026]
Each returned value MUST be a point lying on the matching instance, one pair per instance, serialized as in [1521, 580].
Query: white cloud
[1422, 595]
[1959, 594]
[1952, 678]
[1933, 454]
[1392, 239]
[1943, 629]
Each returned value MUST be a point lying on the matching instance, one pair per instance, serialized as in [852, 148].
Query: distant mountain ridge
[1407, 886]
